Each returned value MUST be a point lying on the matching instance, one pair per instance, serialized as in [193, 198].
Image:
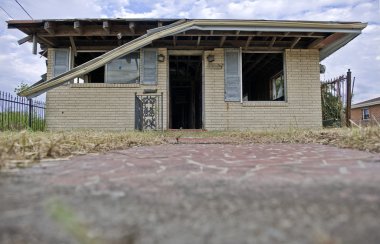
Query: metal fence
[149, 112]
[336, 100]
[17, 113]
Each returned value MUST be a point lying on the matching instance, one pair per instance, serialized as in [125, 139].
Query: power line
[23, 9]
[6, 12]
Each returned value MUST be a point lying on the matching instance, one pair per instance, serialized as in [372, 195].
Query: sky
[362, 55]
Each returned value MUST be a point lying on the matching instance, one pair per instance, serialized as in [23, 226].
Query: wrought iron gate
[149, 112]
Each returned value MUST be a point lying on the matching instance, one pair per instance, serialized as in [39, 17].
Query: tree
[21, 87]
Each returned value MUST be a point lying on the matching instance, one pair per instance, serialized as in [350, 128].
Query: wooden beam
[35, 44]
[296, 40]
[174, 40]
[25, 39]
[198, 41]
[320, 43]
[222, 41]
[248, 42]
[73, 46]
[132, 27]
[77, 27]
[272, 42]
[46, 41]
[237, 33]
[159, 24]
[49, 27]
[106, 26]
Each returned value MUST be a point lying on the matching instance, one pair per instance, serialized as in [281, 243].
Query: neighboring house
[366, 112]
[208, 74]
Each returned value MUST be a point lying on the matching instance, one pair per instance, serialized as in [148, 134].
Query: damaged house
[126, 74]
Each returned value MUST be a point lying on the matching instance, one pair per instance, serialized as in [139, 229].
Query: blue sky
[362, 55]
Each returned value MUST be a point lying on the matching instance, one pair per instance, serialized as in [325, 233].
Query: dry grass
[25, 147]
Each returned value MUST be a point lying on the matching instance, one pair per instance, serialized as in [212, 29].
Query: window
[124, 70]
[61, 61]
[365, 113]
[263, 77]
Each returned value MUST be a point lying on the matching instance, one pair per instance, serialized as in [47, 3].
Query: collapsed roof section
[254, 35]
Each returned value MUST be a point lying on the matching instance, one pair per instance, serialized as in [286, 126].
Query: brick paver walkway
[201, 193]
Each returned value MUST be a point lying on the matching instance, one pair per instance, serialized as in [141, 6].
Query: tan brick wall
[302, 109]
[374, 113]
[111, 106]
[98, 106]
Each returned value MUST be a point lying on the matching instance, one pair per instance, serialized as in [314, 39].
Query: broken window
[124, 69]
[95, 76]
[263, 77]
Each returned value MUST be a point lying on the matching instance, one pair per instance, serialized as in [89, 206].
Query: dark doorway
[185, 74]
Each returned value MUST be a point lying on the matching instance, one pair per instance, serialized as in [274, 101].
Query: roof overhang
[338, 35]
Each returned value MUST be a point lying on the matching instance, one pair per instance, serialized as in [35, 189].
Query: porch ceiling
[253, 35]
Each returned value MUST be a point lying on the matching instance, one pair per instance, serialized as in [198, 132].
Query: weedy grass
[22, 148]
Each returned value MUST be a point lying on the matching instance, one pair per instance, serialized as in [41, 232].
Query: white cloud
[362, 55]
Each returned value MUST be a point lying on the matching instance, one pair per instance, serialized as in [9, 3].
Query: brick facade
[374, 115]
[111, 106]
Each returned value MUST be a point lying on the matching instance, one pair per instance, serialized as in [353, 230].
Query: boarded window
[150, 67]
[61, 61]
[232, 86]
[124, 70]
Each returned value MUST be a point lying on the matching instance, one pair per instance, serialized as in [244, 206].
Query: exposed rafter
[107, 26]
[73, 46]
[294, 43]
[272, 42]
[25, 39]
[222, 41]
[248, 42]
[198, 41]
[78, 27]
[132, 27]
[49, 27]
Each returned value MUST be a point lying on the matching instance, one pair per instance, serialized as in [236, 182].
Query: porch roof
[121, 36]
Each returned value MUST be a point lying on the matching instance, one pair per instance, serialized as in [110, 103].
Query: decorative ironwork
[148, 112]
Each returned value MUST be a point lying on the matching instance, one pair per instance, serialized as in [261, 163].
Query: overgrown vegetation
[19, 121]
[24, 147]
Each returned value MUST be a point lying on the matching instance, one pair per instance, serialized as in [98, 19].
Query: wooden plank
[198, 41]
[248, 42]
[174, 40]
[272, 42]
[106, 26]
[73, 46]
[77, 27]
[46, 41]
[25, 39]
[132, 27]
[296, 40]
[320, 43]
[222, 41]
[35, 44]
[49, 27]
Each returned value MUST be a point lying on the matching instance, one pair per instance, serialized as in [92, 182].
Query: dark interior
[258, 71]
[185, 92]
[96, 76]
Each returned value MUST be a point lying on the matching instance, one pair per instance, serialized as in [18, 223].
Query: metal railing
[149, 112]
[17, 113]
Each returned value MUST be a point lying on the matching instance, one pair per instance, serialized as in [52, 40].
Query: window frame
[363, 114]
[69, 60]
[283, 70]
[138, 70]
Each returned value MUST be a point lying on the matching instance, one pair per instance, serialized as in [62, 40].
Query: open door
[185, 84]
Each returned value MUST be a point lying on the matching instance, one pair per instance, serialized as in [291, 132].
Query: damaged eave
[351, 30]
